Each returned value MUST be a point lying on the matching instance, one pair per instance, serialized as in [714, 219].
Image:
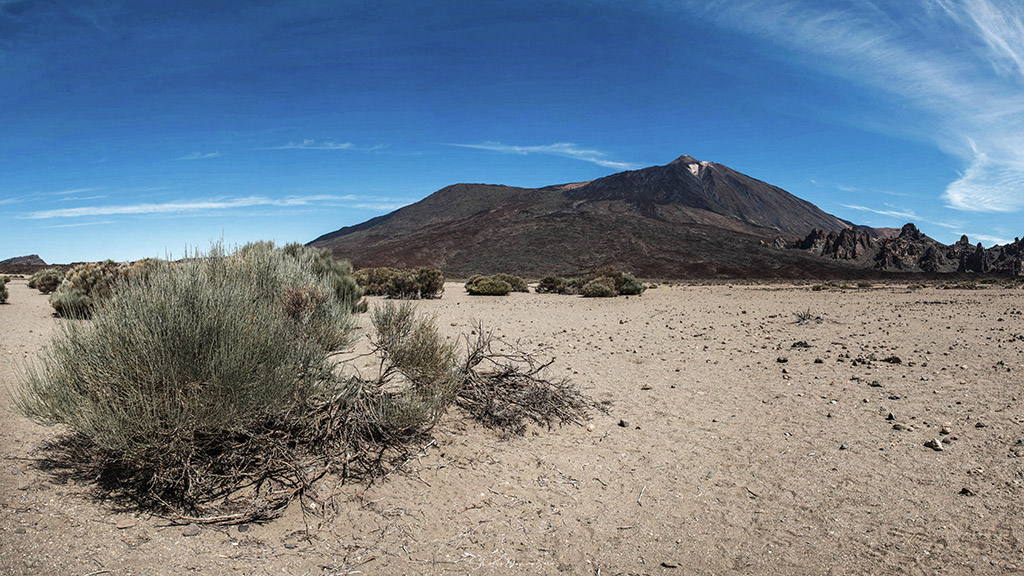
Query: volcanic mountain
[685, 219]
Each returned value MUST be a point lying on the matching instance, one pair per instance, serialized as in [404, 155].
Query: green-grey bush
[4, 295]
[86, 285]
[551, 285]
[413, 352]
[338, 273]
[487, 286]
[601, 287]
[517, 283]
[401, 283]
[176, 368]
[46, 281]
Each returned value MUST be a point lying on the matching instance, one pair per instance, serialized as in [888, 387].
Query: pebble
[904, 427]
[965, 491]
[946, 430]
[125, 523]
[843, 446]
[934, 444]
[890, 416]
[190, 530]
[590, 428]
[243, 527]
[980, 425]
[782, 359]
[875, 384]
[624, 423]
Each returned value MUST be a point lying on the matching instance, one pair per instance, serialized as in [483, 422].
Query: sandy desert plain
[738, 441]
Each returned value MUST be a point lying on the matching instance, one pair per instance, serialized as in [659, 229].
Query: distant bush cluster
[479, 285]
[604, 282]
[3, 289]
[405, 284]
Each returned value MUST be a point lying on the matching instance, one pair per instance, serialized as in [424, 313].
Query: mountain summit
[684, 219]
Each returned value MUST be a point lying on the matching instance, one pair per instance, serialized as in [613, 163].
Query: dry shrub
[807, 317]
[487, 286]
[46, 281]
[505, 388]
[85, 286]
[196, 380]
[400, 283]
[3, 293]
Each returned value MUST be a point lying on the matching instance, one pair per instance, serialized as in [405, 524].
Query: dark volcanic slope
[685, 219]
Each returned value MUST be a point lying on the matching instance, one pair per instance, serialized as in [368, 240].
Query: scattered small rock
[934, 444]
[893, 360]
[782, 359]
[125, 523]
[669, 565]
[800, 344]
[890, 416]
[243, 528]
[624, 423]
[903, 427]
[819, 361]
[875, 384]
[965, 491]
[946, 431]
[843, 446]
[894, 397]
[980, 425]
[190, 530]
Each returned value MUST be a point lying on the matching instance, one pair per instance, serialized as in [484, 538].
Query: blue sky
[135, 129]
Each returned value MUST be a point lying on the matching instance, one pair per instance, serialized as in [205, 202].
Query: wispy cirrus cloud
[218, 204]
[902, 214]
[989, 239]
[323, 145]
[959, 63]
[564, 149]
[201, 156]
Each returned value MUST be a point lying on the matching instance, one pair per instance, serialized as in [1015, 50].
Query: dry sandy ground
[730, 460]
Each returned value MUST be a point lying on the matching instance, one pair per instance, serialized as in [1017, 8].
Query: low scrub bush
[197, 373]
[84, 286]
[46, 281]
[338, 274]
[604, 282]
[552, 285]
[3, 293]
[517, 283]
[400, 283]
[487, 286]
[602, 287]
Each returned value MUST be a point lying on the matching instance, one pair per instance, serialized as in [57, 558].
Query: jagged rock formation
[913, 251]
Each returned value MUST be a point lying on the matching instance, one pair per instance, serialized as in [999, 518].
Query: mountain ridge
[685, 219]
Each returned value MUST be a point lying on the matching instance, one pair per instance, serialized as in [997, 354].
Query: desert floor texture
[738, 441]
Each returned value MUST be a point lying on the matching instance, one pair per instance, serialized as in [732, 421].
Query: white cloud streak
[201, 156]
[323, 145]
[220, 204]
[564, 149]
[960, 62]
[902, 214]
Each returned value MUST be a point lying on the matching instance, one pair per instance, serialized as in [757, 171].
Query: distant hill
[30, 260]
[22, 265]
[686, 219]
